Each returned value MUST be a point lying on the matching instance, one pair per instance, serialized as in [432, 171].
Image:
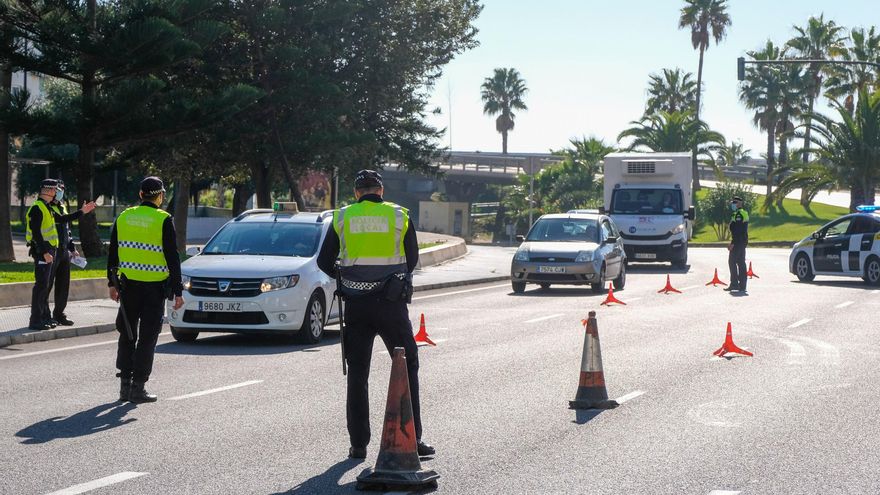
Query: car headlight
[679, 229]
[187, 281]
[584, 256]
[521, 255]
[278, 283]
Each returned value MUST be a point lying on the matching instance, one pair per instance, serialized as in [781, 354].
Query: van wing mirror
[602, 210]
[611, 239]
[193, 250]
[691, 213]
[520, 238]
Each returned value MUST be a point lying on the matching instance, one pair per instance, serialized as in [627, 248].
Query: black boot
[124, 389]
[139, 394]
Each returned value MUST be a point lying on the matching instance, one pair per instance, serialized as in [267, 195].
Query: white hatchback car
[848, 246]
[259, 274]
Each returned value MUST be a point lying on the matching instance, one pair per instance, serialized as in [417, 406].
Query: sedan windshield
[646, 201]
[267, 238]
[564, 230]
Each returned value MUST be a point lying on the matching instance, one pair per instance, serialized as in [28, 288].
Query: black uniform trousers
[61, 282]
[144, 304]
[40, 294]
[736, 261]
[365, 317]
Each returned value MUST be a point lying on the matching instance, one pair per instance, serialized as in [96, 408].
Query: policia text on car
[378, 251]
[144, 269]
[47, 230]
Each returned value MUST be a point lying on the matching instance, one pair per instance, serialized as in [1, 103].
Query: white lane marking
[724, 492]
[535, 320]
[633, 298]
[690, 287]
[215, 390]
[93, 485]
[795, 351]
[71, 348]
[829, 352]
[629, 396]
[844, 304]
[800, 323]
[459, 292]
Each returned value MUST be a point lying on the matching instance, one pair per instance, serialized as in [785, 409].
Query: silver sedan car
[572, 249]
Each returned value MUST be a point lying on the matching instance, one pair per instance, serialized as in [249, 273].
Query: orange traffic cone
[611, 299]
[591, 392]
[715, 280]
[398, 462]
[750, 273]
[729, 346]
[422, 336]
[669, 288]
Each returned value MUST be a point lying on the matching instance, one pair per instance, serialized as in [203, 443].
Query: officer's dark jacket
[330, 248]
[62, 224]
[169, 248]
[739, 227]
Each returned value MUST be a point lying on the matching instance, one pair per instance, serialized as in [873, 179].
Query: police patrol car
[848, 246]
[259, 273]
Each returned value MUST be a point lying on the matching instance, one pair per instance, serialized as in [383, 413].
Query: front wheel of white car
[184, 335]
[313, 321]
[802, 268]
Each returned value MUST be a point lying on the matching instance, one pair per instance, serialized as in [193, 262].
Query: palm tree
[846, 81]
[671, 132]
[851, 146]
[502, 93]
[703, 17]
[817, 41]
[761, 91]
[672, 91]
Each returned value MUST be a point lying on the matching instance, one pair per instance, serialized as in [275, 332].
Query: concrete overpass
[482, 168]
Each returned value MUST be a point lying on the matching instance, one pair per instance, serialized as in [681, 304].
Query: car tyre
[802, 268]
[518, 287]
[600, 285]
[545, 286]
[872, 271]
[312, 328]
[620, 281]
[181, 335]
[681, 262]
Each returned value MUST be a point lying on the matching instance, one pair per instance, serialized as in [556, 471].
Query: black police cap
[48, 183]
[737, 198]
[367, 178]
[152, 186]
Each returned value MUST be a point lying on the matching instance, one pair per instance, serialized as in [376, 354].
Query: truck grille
[210, 287]
[660, 237]
[640, 167]
[555, 259]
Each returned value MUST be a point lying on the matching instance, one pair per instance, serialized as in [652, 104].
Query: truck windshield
[646, 201]
[266, 238]
[564, 230]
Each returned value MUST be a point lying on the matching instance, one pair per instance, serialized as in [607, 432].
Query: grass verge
[24, 272]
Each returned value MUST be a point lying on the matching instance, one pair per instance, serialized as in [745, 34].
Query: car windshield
[564, 230]
[646, 201]
[267, 238]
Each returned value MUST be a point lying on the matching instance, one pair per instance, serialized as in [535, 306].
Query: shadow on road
[244, 345]
[583, 416]
[97, 419]
[326, 482]
[561, 291]
[656, 268]
[849, 284]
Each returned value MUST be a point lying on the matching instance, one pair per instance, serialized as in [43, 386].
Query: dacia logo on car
[551, 259]
[223, 285]
[632, 230]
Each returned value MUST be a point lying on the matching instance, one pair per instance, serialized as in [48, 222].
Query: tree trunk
[288, 170]
[771, 156]
[88, 224]
[856, 195]
[181, 209]
[504, 142]
[261, 183]
[221, 196]
[807, 120]
[242, 192]
[7, 253]
[783, 161]
[694, 164]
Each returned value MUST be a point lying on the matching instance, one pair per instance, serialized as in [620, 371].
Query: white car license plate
[646, 256]
[219, 307]
[551, 269]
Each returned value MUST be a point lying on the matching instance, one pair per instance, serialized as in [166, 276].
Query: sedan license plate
[646, 256]
[551, 269]
[219, 307]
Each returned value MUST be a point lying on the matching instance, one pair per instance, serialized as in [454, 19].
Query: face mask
[732, 206]
[59, 195]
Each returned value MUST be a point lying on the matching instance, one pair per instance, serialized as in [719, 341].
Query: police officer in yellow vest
[378, 251]
[60, 279]
[143, 253]
[42, 239]
[739, 233]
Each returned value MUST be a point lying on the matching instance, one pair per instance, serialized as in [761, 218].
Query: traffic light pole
[741, 64]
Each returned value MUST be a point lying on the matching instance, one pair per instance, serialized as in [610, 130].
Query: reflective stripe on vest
[47, 226]
[139, 237]
[371, 234]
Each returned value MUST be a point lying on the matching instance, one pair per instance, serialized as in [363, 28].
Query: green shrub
[714, 208]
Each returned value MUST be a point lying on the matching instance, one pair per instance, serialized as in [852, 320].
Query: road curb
[459, 283]
[55, 333]
[759, 244]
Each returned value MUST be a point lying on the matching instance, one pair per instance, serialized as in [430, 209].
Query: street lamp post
[531, 188]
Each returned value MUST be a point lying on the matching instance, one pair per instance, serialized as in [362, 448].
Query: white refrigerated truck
[648, 195]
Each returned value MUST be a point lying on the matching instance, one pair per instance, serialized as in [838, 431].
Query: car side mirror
[193, 250]
[691, 213]
[520, 238]
[610, 239]
[815, 235]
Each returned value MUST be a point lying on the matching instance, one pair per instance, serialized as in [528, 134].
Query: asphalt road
[798, 417]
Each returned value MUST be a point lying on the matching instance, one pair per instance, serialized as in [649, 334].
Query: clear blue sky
[586, 63]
